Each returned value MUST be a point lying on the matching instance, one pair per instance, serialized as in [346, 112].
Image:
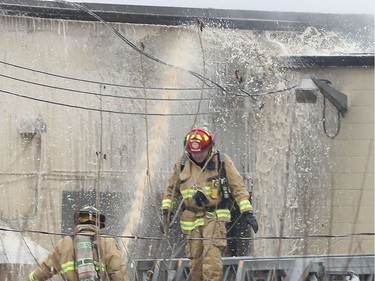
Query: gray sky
[313, 6]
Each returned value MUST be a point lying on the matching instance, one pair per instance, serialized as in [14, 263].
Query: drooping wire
[99, 82]
[275, 92]
[247, 94]
[242, 238]
[77, 6]
[324, 121]
[204, 70]
[100, 110]
[96, 94]
[166, 236]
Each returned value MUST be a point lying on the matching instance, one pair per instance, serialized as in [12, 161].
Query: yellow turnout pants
[205, 254]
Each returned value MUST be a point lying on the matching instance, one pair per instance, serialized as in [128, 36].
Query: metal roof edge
[339, 60]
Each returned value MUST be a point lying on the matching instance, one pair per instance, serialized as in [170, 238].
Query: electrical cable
[101, 83]
[167, 229]
[132, 45]
[96, 94]
[135, 98]
[324, 121]
[276, 91]
[101, 110]
[123, 86]
[228, 238]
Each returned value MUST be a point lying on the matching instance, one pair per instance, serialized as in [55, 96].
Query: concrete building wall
[353, 157]
[98, 137]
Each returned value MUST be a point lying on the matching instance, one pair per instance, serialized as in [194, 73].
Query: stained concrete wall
[99, 138]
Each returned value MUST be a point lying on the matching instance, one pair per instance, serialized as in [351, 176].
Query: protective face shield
[89, 215]
[198, 140]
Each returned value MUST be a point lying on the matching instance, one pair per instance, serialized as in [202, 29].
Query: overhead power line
[104, 83]
[101, 110]
[229, 238]
[247, 94]
[200, 77]
[98, 94]
[79, 7]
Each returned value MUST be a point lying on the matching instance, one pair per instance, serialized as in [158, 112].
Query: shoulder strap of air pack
[183, 161]
[225, 190]
[221, 165]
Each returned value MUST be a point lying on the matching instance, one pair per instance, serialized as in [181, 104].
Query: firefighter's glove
[201, 199]
[251, 220]
[165, 220]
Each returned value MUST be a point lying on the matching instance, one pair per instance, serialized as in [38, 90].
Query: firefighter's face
[200, 156]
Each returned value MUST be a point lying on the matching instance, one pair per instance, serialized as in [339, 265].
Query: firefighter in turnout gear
[205, 210]
[86, 255]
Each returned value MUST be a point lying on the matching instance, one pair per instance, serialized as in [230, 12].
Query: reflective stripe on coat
[184, 184]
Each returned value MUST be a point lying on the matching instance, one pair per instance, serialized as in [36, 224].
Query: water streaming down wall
[279, 147]
[286, 156]
[286, 150]
[291, 165]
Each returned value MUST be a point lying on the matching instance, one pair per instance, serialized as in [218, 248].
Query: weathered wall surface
[120, 132]
[352, 153]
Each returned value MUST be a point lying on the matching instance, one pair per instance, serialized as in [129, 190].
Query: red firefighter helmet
[199, 140]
